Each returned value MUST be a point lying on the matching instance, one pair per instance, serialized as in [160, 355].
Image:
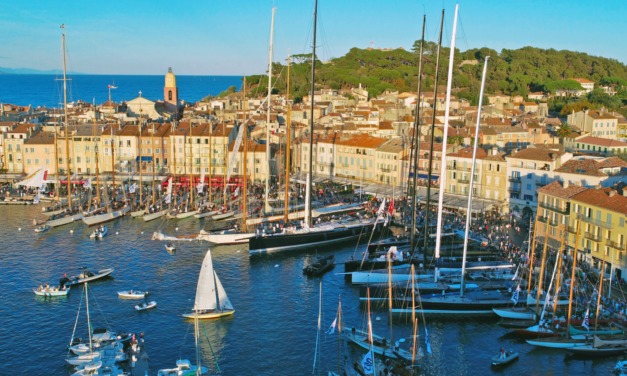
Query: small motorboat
[321, 265]
[99, 233]
[183, 368]
[132, 294]
[50, 291]
[144, 306]
[85, 276]
[43, 228]
[510, 356]
[170, 248]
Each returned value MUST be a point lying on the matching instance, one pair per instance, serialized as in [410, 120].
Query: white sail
[206, 290]
[225, 303]
[36, 179]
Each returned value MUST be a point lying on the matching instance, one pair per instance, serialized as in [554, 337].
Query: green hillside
[511, 72]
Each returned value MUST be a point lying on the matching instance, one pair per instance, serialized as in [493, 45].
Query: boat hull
[150, 217]
[557, 344]
[107, 217]
[101, 274]
[209, 315]
[52, 293]
[275, 243]
[223, 239]
[515, 313]
[63, 221]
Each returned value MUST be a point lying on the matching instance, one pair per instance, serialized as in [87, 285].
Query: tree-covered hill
[511, 72]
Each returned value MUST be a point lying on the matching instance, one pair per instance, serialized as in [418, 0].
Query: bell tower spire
[171, 93]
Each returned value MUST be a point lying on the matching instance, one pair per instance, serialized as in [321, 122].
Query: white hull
[207, 214]
[64, 220]
[186, 214]
[138, 213]
[515, 313]
[531, 300]
[555, 345]
[102, 218]
[149, 306]
[53, 212]
[218, 217]
[444, 312]
[52, 293]
[234, 238]
[150, 217]
[135, 295]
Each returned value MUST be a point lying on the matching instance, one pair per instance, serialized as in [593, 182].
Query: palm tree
[564, 130]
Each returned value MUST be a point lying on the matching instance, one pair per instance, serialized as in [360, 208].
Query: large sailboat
[210, 304]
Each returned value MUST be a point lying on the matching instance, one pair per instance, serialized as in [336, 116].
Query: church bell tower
[171, 93]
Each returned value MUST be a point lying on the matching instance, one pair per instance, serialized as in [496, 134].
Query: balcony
[615, 245]
[514, 179]
[555, 208]
[460, 168]
[571, 229]
[362, 167]
[463, 181]
[591, 236]
[553, 223]
[541, 183]
[597, 222]
[514, 189]
[542, 219]
[386, 169]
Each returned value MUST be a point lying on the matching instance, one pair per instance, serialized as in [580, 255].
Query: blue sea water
[46, 90]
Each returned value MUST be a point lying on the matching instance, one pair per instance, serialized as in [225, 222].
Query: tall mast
[287, 147]
[191, 167]
[415, 145]
[96, 153]
[541, 279]
[559, 257]
[339, 332]
[67, 130]
[113, 163]
[245, 172]
[56, 161]
[374, 367]
[311, 120]
[225, 150]
[572, 280]
[152, 141]
[174, 124]
[438, 241]
[196, 328]
[532, 248]
[267, 205]
[141, 179]
[210, 158]
[88, 321]
[413, 316]
[472, 174]
[432, 132]
[390, 293]
[320, 321]
[596, 316]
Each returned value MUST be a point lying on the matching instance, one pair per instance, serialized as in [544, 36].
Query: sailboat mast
[413, 293]
[287, 147]
[558, 255]
[56, 162]
[572, 280]
[432, 133]
[311, 120]
[196, 328]
[191, 167]
[113, 162]
[245, 172]
[174, 124]
[211, 158]
[96, 156]
[339, 333]
[438, 240]
[267, 205]
[541, 279]
[390, 294]
[88, 321]
[152, 141]
[472, 174]
[67, 129]
[415, 146]
[532, 248]
[141, 179]
[374, 367]
[319, 324]
[413, 350]
[596, 316]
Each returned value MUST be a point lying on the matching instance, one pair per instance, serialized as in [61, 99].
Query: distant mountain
[30, 71]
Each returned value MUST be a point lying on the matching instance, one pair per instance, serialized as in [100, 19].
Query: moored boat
[85, 276]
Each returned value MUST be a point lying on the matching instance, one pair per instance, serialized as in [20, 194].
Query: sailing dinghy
[143, 306]
[208, 305]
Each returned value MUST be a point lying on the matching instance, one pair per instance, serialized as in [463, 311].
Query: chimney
[612, 193]
[624, 192]
[502, 120]
[598, 186]
[566, 184]
[495, 150]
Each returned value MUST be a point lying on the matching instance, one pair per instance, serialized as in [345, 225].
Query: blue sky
[232, 37]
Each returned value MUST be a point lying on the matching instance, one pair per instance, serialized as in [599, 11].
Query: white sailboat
[208, 304]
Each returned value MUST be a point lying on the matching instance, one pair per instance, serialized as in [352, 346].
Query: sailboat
[208, 305]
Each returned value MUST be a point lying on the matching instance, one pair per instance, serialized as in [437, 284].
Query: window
[169, 95]
[36, 161]
[528, 187]
[28, 161]
[622, 222]
[528, 197]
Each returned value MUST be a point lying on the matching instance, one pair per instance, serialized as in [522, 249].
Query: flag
[368, 363]
[586, 320]
[167, 198]
[36, 199]
[332, 328]
[132, 188]
[200, 188]
[74, 177]
[43, 187]
[236, 192]
[392, 206]
[427, 341]
[515, 295]
[381, 209]
[87, 183]
[516, 274]
[170, 186]
[387, 217]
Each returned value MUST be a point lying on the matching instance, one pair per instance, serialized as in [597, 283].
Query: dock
[139, 364]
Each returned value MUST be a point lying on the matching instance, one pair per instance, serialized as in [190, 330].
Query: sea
[275, 328]
[47, 90]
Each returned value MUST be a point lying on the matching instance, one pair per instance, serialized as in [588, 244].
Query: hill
[510, 72]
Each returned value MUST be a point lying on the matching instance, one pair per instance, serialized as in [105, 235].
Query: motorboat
[132, 294]
[170, 248]
[85, 276]
[48, 291]
[42, 228]
[144, 306]
[99, 233]
[504, 358]
[321, 265]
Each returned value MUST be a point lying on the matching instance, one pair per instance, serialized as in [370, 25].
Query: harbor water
[273, 330]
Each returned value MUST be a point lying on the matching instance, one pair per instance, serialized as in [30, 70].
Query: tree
[564, 130]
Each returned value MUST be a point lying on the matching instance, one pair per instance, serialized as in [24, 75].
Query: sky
[232, 37]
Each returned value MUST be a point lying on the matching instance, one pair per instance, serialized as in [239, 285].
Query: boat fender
[19, 229]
